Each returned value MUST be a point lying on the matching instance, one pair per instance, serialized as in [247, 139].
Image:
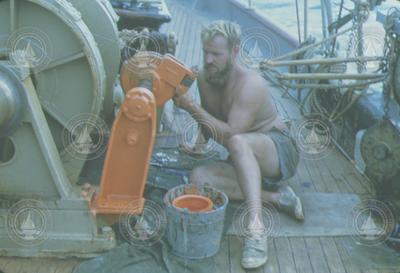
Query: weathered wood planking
[38, 265]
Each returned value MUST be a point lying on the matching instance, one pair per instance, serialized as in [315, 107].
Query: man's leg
[222, 176]
[253, 156]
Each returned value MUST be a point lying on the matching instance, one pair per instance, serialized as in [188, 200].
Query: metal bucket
[195, 235]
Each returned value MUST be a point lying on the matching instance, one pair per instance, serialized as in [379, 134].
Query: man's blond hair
[230, 30]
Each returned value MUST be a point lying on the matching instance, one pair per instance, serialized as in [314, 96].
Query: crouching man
[238, 112]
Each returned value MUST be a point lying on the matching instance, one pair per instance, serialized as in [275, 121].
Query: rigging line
[303, 49]
[323, 13]
[298, 20]
[331, 86]
[339, 103]
[305, 19]
[271, 64]
[352, 101]
[336, 28]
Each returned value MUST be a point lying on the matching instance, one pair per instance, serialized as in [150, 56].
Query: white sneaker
[255, 252]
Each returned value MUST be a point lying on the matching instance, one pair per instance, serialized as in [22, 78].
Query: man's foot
[290, 203]
[254, 251]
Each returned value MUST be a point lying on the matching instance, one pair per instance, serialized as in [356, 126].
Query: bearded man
[238, 112]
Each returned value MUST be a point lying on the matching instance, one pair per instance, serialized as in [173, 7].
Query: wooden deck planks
[184, 38]
[235, 255]
[316, 176]
[332, 255]
[340, 167]
[172, 24]
[39, 265]
[350, 267]
[301, 255]
[272, 265]
[334, 172]
[317, 258]
[222, 257]
[180, 50]
[284, 253]
[192, 38]
[6, 265]
[321, 169]
[286, 107]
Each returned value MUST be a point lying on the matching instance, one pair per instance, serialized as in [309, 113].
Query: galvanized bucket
[195, 235]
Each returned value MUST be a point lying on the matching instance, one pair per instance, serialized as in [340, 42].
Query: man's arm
[241, 116]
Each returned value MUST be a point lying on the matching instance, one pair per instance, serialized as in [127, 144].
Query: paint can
[195, 220]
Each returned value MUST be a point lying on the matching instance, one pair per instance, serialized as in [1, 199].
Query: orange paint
[167, 77]
[133, 134]
[193, 202]
[128, 155]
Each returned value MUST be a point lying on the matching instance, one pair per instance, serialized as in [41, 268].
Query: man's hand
[183, 101]
[196, 149]
[200, 147]
[195, 69]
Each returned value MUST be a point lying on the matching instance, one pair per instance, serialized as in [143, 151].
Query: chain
[352, 35]
[363, 17]
[387, 65]
[360, 16]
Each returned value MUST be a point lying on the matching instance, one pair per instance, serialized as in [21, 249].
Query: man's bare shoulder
[255, 84]
[253, 77]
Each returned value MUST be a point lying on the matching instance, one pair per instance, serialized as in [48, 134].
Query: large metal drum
[74, 60]
[58, 63]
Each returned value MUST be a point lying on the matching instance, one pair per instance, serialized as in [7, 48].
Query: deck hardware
[380, 149]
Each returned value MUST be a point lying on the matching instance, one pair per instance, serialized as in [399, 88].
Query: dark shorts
[288, 158]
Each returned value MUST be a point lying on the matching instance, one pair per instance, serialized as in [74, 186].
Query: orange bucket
[193, 203]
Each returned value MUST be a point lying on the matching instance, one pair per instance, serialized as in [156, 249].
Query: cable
[336, 28]
[298, 20]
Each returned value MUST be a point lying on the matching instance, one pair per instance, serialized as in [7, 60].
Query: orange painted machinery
[148, 81]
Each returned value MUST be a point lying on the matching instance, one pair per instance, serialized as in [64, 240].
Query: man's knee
[236, 144]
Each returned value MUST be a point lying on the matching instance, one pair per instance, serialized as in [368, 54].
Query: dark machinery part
[11, 101]
[395, 32]
[136, 13]
[380, 149]
[143, 39]
[396, 79]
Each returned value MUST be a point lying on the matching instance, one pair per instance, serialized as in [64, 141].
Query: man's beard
[218, 78]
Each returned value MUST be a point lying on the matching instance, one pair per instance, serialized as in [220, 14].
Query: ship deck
[333, 174]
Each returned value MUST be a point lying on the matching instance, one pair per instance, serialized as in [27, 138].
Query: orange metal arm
[128, 154]
[168, 77]
[133, 134]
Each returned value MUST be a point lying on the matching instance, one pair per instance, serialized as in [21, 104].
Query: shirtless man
[238, 112]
